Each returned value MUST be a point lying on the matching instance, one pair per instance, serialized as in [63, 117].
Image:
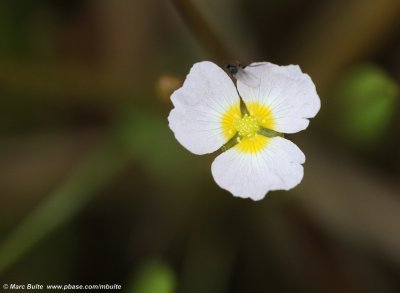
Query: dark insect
[241, 73]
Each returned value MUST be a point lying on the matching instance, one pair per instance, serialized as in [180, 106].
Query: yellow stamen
[247, 127]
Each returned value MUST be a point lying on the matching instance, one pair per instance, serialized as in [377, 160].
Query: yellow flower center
[247, 126]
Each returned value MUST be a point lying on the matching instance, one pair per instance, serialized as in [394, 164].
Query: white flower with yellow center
[208, 115]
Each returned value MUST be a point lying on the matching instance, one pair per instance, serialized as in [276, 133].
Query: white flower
[208, 114]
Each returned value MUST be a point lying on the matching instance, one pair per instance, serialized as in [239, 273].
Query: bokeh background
[94, 188]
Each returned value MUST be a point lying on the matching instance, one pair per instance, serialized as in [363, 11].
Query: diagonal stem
[202, 31]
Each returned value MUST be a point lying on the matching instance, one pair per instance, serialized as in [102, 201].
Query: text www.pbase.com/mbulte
[61, 287]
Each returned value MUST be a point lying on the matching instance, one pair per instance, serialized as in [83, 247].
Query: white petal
[205, 96]
[287, 91]
[246, 77]
[276, 166]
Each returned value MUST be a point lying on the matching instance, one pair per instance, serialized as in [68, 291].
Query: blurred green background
[95, 189]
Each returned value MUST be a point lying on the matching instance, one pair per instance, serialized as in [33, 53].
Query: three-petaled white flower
[208, 115]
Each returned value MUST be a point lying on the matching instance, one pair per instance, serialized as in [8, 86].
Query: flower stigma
[247, 126]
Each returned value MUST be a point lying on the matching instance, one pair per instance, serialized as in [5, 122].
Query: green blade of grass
[90, 176]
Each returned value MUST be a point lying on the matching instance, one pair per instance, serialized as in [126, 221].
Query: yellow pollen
[247, 126]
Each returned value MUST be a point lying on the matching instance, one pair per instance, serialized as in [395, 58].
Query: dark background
[95, 189]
